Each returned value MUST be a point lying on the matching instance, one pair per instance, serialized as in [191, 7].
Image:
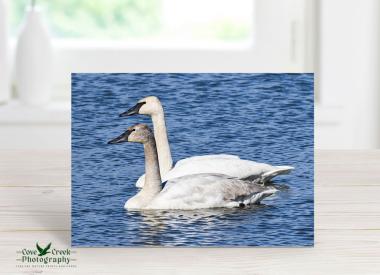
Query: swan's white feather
[235, 167]
[205, 157]
[141, 181]
[208, 191]
[221, 164]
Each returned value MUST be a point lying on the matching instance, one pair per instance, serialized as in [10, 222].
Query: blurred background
[42, 42]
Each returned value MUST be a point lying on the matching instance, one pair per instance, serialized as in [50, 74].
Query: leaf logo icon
[43, 251]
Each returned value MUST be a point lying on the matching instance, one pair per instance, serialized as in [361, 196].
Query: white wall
[349, 75]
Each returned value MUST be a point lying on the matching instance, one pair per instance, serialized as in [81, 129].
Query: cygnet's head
[139, 133]
[150, 105]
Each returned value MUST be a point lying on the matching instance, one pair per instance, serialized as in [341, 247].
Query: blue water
[262, 117]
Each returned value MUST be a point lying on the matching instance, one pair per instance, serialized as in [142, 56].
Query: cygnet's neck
[152, 168]
[163, 147]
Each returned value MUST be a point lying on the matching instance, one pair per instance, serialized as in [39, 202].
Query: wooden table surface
[35, 206]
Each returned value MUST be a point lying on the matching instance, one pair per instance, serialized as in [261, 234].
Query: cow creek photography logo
[45, 256]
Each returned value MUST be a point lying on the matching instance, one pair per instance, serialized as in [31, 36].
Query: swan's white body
[204, 191]
[218, 164]
[221, 164]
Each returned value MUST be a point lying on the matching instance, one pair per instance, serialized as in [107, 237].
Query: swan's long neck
[163, 147]
[152, 184]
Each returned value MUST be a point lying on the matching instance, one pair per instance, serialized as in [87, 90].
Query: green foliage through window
[155, 20]
[95, 18]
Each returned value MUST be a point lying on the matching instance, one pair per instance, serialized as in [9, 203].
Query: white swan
[190, 191]
[221, 164]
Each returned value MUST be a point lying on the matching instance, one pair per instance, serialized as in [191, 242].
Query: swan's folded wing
[206, 191]
[205, 157]
[230, 165]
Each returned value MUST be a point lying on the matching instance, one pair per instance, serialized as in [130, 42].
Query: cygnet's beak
[122, 138]
[133, 111]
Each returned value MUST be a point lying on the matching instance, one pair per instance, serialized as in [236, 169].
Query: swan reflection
[188, 227]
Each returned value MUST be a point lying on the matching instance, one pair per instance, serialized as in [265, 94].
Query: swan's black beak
[122, 138]
[133, 111]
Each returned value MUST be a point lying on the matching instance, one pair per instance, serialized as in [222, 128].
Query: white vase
[33, 66]
[5, 91]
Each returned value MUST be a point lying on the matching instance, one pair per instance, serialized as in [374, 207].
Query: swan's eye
[128, 132]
